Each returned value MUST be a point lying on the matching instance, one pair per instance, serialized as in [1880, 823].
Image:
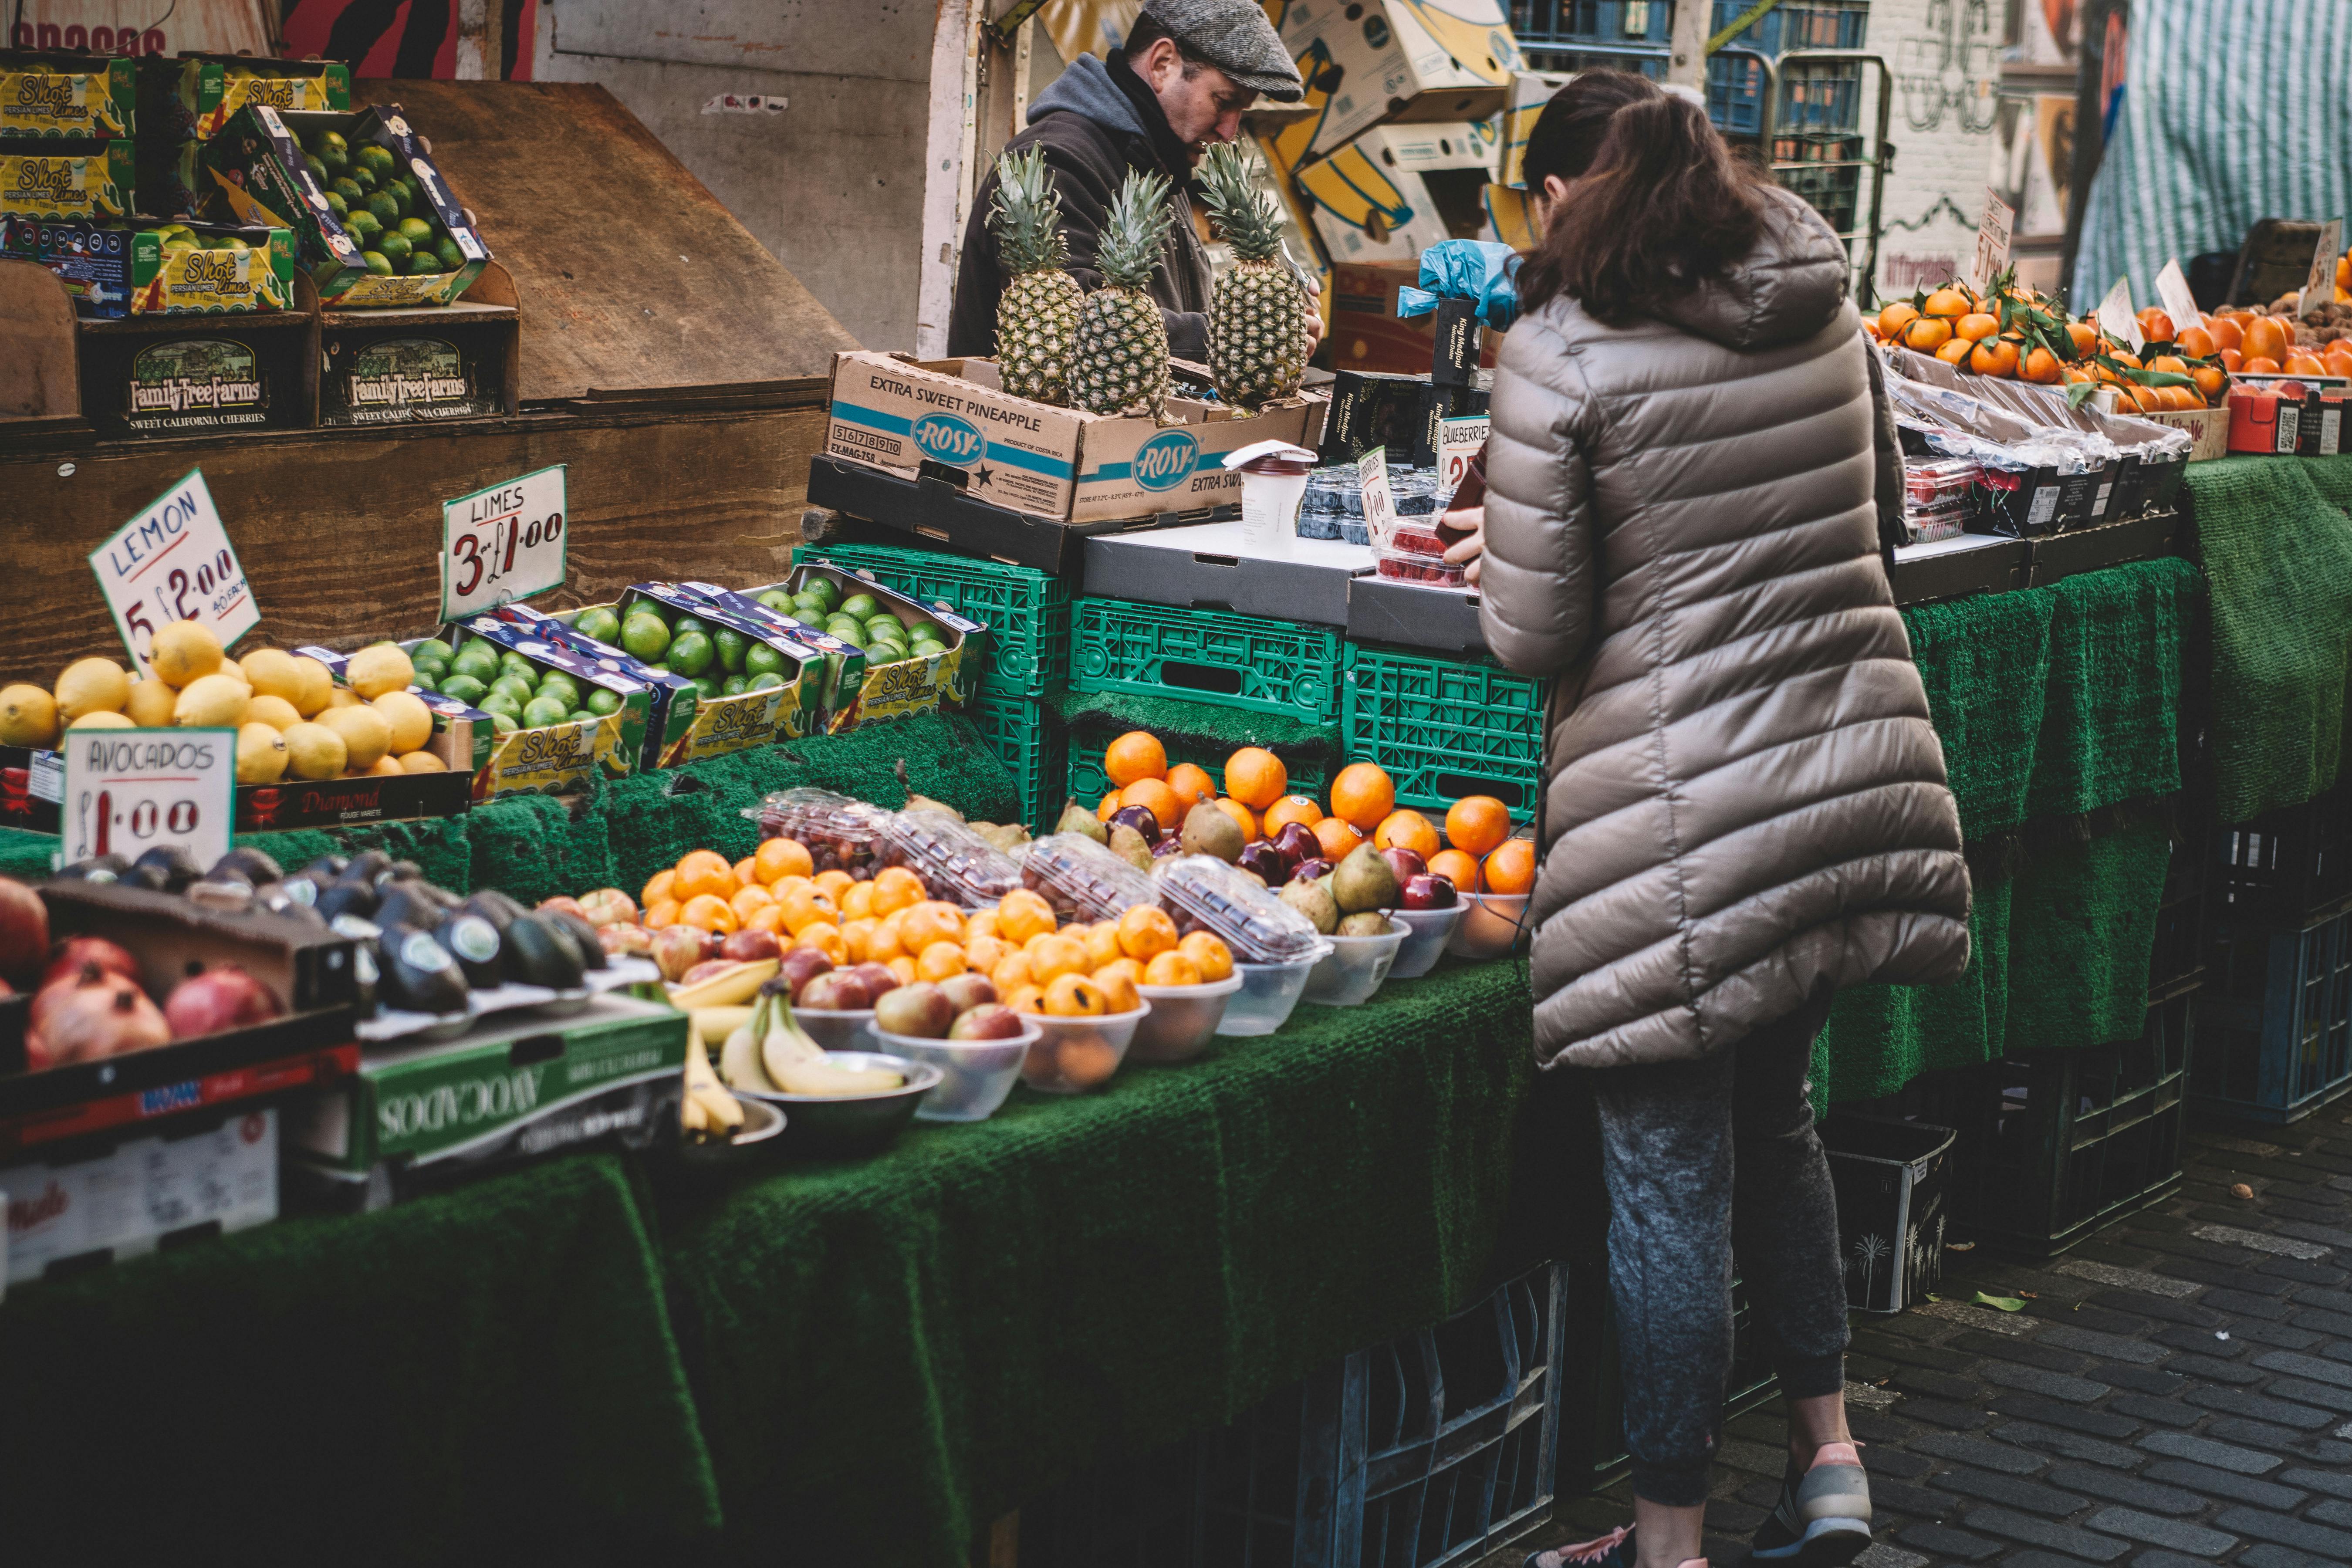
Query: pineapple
[1257, 317]
[1121, 362]
[1038, 314]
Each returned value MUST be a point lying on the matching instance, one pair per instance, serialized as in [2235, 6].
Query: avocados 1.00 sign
[503, 544]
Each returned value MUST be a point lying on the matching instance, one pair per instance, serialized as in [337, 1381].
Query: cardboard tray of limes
[86, 179]
[919, 658]
[52, 96]
[377, 224]
[141, 267]
[673, 699]
[558, 717]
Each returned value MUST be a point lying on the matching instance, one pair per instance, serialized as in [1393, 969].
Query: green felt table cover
[2278, 551]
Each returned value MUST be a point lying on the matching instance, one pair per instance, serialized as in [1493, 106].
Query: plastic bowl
[847, 1126]
[1356, 966]
[975, 1075]
[1426, 933]
[1181, 1020]
[1071, 1056]
[1490, 926]
[846, 1030]
[1268, 993]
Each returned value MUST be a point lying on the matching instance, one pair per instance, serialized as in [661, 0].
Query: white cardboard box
[1397, 190]
[126, 1201]
[1397, 59]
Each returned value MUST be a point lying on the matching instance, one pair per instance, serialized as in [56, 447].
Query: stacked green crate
[1445, 728]
[1287, 668]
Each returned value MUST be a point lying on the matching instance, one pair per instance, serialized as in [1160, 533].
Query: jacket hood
[1085, 89]
[1786, 289]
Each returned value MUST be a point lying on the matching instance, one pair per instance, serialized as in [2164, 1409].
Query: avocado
[536, 955]
[580, 934]
[474, 943]
[167, 868]
[418, 974]
[369, 865]
[326, 867]
[258, 869]
[407, 904]
[350, 896]
[494, 906]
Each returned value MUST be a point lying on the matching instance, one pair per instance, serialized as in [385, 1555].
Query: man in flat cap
[1179, 84]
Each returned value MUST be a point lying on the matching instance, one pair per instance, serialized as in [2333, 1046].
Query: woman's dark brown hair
[1666, 206]
[1573, 126]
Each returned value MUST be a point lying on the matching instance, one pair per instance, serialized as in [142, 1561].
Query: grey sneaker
[1822, 1522]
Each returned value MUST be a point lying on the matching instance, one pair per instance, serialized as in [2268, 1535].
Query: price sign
[502, 544]
[2172, 288]
[1458, 441]
[2319, 286]
[130, 791]
[1993, 240]
[173, 563]
[1380, 504]
[2116, 317]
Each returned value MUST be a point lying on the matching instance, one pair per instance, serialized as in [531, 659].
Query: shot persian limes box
[144, 269]
[596, 723]
[46, 95]
[385, 230]
[67, 179]
[919, 658]
[779, 682]
[210, 89]
[846, 663]
[669, 713]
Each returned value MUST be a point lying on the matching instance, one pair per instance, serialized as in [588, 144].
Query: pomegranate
[24, 932]
[223, 998]
[89, 1016]
[76, 952]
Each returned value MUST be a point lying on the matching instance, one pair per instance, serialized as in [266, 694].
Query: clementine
[1955, 351]
[1107, 806]
[2155, 325]
[1241, 814]
[1337, 837]
[1023, 914]
[769, 918]
[1511, 868]
[1057, 956]
[857, 901]
[1074, 996]
[664, 913]
[834, 883]
[2211, 381]
[1896, 317]
[939, 961]
[1028, 999]
[1012, 973]
[1145, 931]
[1192, 784]
[2226, 332]
[2302, 361]
[1119, 987]
[746, 872]
[1363, 794]
[826, 938]
[894, 888]
[2084, 337]
[1209, 954]
[856, 938]
[2260, 364]
[658, 890]
[1477, 823]
[703, 872]
[749, 902]
[2266, 339]
[1101, 942]
[1255, 777]
[1994, 357]
[901, 968]
[1927, 334]
[780, 858]
[1157, 798]
[806, 906]
[1290, 808]
[981, 955]
[2233, 361]
[1948, 303]
[2040, 366]
[929, 921]
[1137, 754]
[1458, 867]
[1171, 968]
[709, 911]
[2196, 342]
[1406, 830]
[1975, 327]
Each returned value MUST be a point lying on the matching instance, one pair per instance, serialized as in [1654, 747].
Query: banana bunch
[768, 1053]
[708, 1109]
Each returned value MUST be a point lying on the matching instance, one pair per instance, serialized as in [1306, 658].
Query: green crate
[1027, 612]
[1032, 744]
[1445, 728]
[1088, 783]
[1206, 655]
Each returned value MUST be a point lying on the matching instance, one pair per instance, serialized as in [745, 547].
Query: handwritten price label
[130, 791]
[1993, 240]
[503, 544]
[1379, 501]
[173, 563]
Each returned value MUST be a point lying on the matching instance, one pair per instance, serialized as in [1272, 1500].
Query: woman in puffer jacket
[1744, 807]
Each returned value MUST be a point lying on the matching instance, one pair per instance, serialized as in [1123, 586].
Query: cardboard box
[1367, 334]
[1397, 190]
[1414, 615]
[2264, 421]
[720, 724]
[85, 179]
[1367, 62]
[950, 420]
[552, 758]
[1510, 217]
[1530, 92]
[67, 1213]
[210, 89]
[48, 96]
[926, 684]
[463, 368]
[2210, 425]
[843, 679]
[670, 708]
[138, 269]
[154, 376]
[256, 166]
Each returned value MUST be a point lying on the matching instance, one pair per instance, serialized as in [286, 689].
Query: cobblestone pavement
[2177, 1391]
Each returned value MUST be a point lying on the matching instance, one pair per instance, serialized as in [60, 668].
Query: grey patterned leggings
[1669, 1134]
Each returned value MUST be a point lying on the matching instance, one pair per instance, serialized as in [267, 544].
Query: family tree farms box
[950, 416]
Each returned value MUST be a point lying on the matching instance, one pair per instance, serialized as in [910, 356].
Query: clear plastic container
[1202, 893]
[1182, 1019]
[1356, 966]
[1083, 880]
[1426, 933]
[1333, 506]
[1937, 498]
[1411, 566]
[846, 1030]
[976, 1075]
[1072, 1056]
[1414, 492]
[838, 833]
[956, 864]
[1268, 993]
[1490, 926]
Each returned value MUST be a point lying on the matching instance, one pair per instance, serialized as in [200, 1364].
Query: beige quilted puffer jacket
[1745, 798]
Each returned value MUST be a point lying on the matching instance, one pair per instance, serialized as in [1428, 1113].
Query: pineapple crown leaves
[1135, 230]
[1026, 216]
[1241, 214]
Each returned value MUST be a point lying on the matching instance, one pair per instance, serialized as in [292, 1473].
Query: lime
[362, 223]
[732, 687]
[860, 606]
[501, 702]
[433, 648]
[599, 623]
[685, 624]
[665, 614]
[645, 636]
[558, 680]
[779, 600]
[436, 668]
[416, 231]
[503, 724]
[336, 205]
[482, 645]
[513, 663]
[542, 711]
[601, 701]
[811, 610]
[376, 156]
[394, 244]
[476, 664]
[580, 716]
[873, 623]
[771, 681]
[730, 644]
[823, 588]
[845, 628]
[349, 189]
[426, 680]
[317, 166]
[690, 653]
[330, 145]
[363, 177]
[377, 262]
[459, 669]
[706, 688]
[513, 686]
[386, 207]
[884, 653]
[762, 659]
[447, 249]
[424, 263]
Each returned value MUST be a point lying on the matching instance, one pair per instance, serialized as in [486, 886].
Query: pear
[1364, 881]
[1311, 900]
[1076, 818]
[1211, 830]
[1371, 922]
[1129, 845]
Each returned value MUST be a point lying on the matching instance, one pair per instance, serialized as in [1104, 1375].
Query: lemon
[387, 767]
[183, 651]
[151, 703]
[367, 735]
[261, 754]
[411, 720]
[313, 750]
[274, 711]
[344, 697]
[274, 672]
[379, 668]
[317, 689]
[102, 719]
[422, 763]
[212, 701]
[91, 686]
[28, 716]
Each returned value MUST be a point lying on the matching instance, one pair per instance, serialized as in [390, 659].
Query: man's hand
[1314, 314]
[1473, 522]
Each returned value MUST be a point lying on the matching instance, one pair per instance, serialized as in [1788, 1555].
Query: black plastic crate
[2289, 866]
[2275, 1018]
[2176, 963]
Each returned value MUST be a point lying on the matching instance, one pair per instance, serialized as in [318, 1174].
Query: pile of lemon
[291, 719]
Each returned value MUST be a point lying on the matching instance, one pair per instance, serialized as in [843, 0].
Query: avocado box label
[93, 180]
[951, 420]
[395, 380]
[66, 96]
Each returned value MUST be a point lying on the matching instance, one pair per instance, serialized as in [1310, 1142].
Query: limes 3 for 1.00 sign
[503, 544]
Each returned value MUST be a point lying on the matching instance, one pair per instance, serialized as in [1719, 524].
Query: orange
[805, 906]
[2226, 332]
[658, 890]
[2172, 365]
[2041, 366]
[2155, 325]
[1363, 794]
[1146, 931]
[2232, 361]
[783, 858]
[980, 923]
[2260, 364]
[857, 901]
[2084, 336]
[1156, 797]
[834, 883]
[1948, 303]
[1120, 968]
[1511, 868]
[1011, 972]
[1241, 814]
[1870, 326]
[1290, 808]
[1927, 334]
[2265, 339]
[1057, 956]
[1026, 998]
[2339, 360]
[2303, 362]
[981, 955]
[1074, 996]
[2120, 357]
[1022, 915]
[1192, 784]
[1337, 837]
[1993, 357]
[826, 938]
[769, 918]
[2075, 375]
[1106, 808]
[746, 875]
[928, 923]
[1031, 945]
[857, 935]
[2210, 380]
[750, 901]
[1118, 989]
[1101, 942]
[664, 913]
[939, 960]
[2196, 342]
[1137, 754]
[1255, 777]
[1457, 867]
[1477, 823]
[707, 910]
[1975, 327]
[895, 889]
[1895, 318]
[1209, 954]
[1406, 830]
[901, 968]
[1955, 351]
[1172, 969]
[701, 872]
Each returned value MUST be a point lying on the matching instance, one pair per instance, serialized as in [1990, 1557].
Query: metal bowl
[759, 1137]
[847, 1127]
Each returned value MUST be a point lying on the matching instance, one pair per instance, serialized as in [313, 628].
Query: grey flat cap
[1234, 37]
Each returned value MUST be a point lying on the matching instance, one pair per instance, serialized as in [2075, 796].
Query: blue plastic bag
[1479, 270]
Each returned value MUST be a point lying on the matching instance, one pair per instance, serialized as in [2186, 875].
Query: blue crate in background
[1592, 21]
[2274, 1018]
[1817, 25]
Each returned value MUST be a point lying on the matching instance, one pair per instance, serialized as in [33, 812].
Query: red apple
[569, 906]
[608, 906]
[222, 998]
[1428, 891]
[989, 1020]
[676, 949]
[835, 990]
[877, 977]
[918, 1010]
[24, 932]
[1270, 864]
[965, 992]
[746, 946]
[1313, 871]
[1406, 863]
[1298, 841]
[622, 940]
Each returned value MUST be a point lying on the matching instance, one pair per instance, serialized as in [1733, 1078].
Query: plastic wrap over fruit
[1205, 894]
[1082, 879]
[956, 864]
[840, 834]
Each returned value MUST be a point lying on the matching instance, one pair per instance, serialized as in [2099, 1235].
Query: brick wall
[1945, 55]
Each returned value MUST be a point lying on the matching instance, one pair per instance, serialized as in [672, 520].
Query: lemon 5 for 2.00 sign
[502, 544]
[173, 563]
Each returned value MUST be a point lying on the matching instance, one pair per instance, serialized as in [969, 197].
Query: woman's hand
[1472, 522]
